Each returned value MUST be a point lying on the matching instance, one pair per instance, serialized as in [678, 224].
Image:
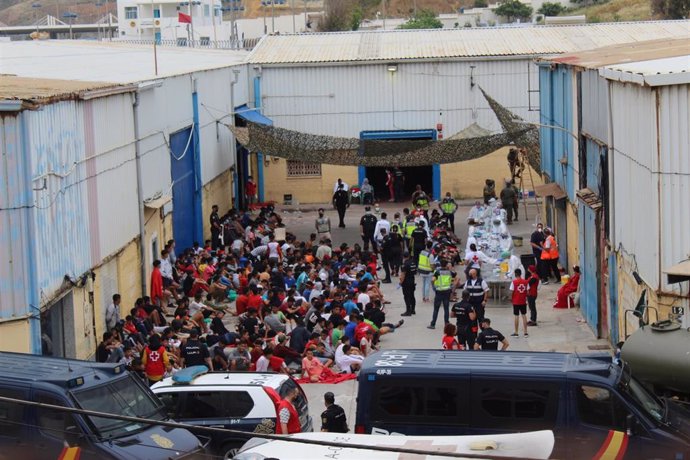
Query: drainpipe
[233, 141]
[140, 195]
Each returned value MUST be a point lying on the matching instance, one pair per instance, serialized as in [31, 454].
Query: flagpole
[191, 23]
[155, 49]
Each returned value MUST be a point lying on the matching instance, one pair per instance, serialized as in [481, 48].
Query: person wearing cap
[507, 198]
[532, 291]
[367, 227]
[333, 419]
[323, 226]
[407, 274]
[489, 338]
[341, 201]
[448, 207]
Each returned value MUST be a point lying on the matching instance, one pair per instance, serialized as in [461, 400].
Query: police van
[244, 401]
[30, 432]
[593, 406]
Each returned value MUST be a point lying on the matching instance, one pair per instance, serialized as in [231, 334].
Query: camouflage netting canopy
[473, 142]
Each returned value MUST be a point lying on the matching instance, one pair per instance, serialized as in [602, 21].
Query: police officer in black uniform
[333, 418]
[489, 339]
[195, 353]
[466, 317]
[367, 225]
[341, 201]
[408, 272]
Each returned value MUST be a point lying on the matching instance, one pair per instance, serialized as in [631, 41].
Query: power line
[245, 434]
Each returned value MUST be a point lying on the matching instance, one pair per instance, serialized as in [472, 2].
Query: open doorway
[422, 175]
[428, 176]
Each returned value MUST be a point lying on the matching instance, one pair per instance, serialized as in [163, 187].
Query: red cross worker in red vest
[519, 288]
[288, 418]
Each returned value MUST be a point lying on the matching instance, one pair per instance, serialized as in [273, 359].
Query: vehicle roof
[20, 367]
[227, 379]
[440, 362]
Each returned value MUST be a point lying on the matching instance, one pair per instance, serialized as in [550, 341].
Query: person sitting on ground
[312, 367]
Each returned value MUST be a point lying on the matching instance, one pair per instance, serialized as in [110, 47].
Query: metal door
[182, 171]
[589, 280]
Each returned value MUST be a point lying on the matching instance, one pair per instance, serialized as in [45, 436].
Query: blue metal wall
[589, 257]
[182, 172]
[556, 114]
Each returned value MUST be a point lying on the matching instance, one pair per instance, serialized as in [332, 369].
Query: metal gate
[589, 280]
[182, 171]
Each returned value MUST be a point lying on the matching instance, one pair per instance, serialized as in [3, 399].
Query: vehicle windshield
[125, 396]
[642, 397]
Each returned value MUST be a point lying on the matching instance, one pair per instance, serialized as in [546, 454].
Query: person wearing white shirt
[382, 223]
[112, 313]
[476, 214]
[363, 299]
[514, 263]
[475, 258]
[338, 183]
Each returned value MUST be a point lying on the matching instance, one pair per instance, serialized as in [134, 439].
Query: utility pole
[273, 16]
[292, 11]
[384, 14]
[110, 25]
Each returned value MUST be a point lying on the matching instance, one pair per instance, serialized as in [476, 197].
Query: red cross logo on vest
[521, 288]
[154, 356]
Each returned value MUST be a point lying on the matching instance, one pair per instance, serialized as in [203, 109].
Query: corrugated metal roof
[362, 46]
[652, 63]
[629, 52]
[42, 90]
[116, 63]
[653, 72]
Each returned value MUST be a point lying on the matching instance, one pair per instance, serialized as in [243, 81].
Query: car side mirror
[631, 425]
[72, 435]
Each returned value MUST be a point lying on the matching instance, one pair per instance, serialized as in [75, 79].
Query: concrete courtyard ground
[558, 330]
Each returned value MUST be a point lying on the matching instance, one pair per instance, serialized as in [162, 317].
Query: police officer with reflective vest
[466, 320]
[479, 293]
[333, 419]
[425, 263]
[443, 285]
[448, 207]
[410, 227]
[407, 273]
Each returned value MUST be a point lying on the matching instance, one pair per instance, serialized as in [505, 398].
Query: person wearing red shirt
[250, 191]
[449, 342]
[254, 300]
[242, 302]
[519, 287]
[156, 283]
[361, 329]
[288, 418]
[532, 291]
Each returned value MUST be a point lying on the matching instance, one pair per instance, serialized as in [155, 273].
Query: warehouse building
[616, 149]
[103, 159]
[411, 84]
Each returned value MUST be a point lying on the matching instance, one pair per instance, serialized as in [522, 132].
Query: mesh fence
[315, 148]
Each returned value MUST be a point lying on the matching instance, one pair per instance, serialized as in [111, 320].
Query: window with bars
[302, 169]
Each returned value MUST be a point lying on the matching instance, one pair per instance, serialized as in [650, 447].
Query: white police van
[244, 401]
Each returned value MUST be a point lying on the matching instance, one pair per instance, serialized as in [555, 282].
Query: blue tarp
[252, 114]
